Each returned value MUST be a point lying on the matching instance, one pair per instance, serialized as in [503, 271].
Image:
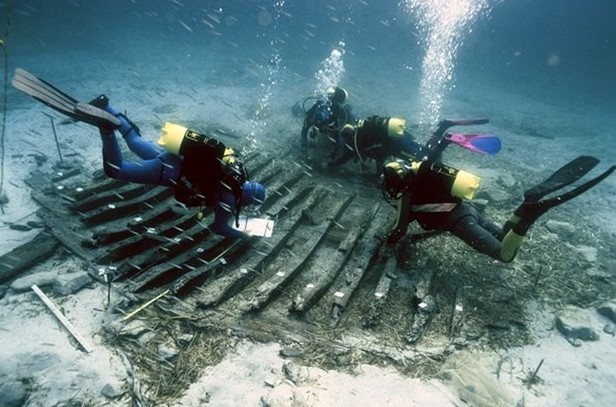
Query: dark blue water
[515, 46]
[556, 49]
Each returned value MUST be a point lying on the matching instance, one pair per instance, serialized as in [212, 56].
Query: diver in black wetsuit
[433, 194]
[376, 138]
[326, 118]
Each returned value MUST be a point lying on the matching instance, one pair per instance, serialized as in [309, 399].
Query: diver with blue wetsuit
[202, 171]
[193, 164]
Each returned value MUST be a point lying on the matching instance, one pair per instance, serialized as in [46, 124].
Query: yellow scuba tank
[179, 140]
[459, 184]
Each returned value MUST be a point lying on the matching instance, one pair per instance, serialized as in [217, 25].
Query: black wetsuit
[371, 140]
[427, 199]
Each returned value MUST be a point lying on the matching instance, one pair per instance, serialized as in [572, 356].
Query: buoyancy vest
[438, 187]
[374, 135]
[207, 166]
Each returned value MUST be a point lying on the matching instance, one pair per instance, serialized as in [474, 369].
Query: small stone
[34, 224]
[608, 310]
[20, 227]
[12, 393]
[279, 396]
[146, 338]
[290, 371]
[460, 342]
[167, 351]
[71, 283]
[271, 381]
[111, 392]
[446, 375]
[563, 229]
[185, 339]
[42, 279]
[134, 329]
[610, 329]
[574, 323]
[589, 253]
[291, 352]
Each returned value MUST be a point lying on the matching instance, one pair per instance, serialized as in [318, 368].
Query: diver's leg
[490, 226]
[145, 172]
[143, 148]
[464, 222]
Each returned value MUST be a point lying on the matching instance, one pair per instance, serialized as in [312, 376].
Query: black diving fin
[531, 210]
[552, 202]
[566, 175]
[51, 96]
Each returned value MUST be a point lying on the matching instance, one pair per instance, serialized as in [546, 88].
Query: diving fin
[479, 143]
[567, 174]
[530, 211]
[51, 96]
[436, 143]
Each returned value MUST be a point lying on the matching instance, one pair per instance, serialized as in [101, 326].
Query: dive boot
[101, 101]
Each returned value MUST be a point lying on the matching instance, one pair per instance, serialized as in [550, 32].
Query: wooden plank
[313, 291]
[121, 208]
[175, 246]
[356, 269]
[232, 251]
[426, 306]
[193, 267]
[67, 324]
[21, 258]
[175, 267]
[124, 192]
[381, 292]
[147, 239]
[269, 289]
[68, 173]
[228, 285]
[421, 319]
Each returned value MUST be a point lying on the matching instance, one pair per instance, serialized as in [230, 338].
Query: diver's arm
[223, 215]
[411, 149]
[341, 158]
[404, 218]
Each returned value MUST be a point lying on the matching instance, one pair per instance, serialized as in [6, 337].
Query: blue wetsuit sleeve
[223, 216]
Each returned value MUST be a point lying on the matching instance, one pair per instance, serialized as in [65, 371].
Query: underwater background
[559, 51]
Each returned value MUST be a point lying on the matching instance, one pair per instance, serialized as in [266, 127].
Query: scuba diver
[377, 138]
[325, 118]
[202, 171]
[435, 195]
